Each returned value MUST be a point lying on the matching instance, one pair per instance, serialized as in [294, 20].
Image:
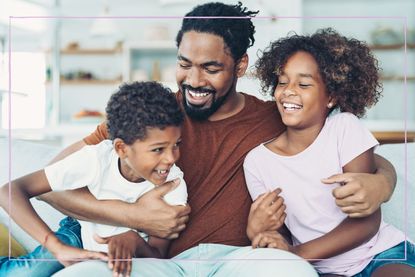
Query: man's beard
[199, 112]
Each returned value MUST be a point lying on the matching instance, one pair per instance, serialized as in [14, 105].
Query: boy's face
[205, 73]
[301, 94]
[151, 158]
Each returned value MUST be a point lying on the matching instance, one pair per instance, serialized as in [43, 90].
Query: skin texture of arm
[150, 213]
[22, 212]
[350, 233]
[363, 193]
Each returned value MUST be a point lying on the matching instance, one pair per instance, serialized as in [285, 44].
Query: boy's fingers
[100, 240]
[168, 186]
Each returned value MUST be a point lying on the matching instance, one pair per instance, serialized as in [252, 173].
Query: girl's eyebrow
[307, 75]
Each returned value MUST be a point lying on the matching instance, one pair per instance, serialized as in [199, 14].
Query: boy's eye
[177, 144]
[157, 150]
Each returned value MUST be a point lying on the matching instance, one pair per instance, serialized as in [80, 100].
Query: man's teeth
[291, 106]
[198, 94]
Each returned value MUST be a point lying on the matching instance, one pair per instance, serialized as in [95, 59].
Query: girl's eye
[281, 83]
[304, 85]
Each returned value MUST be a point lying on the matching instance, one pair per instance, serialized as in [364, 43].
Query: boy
[144, 122]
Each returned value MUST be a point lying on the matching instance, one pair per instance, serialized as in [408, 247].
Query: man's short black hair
[140, 105]
[237, 33]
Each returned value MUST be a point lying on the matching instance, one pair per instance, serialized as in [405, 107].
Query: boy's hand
[271, 239]
[121, 249]
[267, 213]
[157, 218]
[68, 255]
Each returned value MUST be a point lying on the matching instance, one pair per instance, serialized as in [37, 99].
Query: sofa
[25, 157]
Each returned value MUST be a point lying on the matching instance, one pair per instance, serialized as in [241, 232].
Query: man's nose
[195, 78]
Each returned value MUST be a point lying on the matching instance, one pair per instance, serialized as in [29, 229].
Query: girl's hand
[121, 249]
[267, 213]
[68, 255]
[271, 239]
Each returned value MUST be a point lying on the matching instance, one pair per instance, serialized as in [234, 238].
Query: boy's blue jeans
[41, 262]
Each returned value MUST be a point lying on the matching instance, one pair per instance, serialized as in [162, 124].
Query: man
[220, 128]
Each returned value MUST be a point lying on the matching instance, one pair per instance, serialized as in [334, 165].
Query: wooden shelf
[393, 136]
[391, 47]
[397, 78]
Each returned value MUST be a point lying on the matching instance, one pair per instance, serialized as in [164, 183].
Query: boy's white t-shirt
[311, 208]
[96, 167]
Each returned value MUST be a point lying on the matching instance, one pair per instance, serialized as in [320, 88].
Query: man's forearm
[386, 169]
[81, 204]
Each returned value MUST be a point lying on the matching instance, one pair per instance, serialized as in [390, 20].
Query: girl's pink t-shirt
[311, 208]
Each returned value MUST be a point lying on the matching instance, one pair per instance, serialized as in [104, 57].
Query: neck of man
[234, 103]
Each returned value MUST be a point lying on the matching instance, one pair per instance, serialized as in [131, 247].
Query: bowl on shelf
[88, 116]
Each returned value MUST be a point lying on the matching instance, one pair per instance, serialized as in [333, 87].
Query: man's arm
[363, 193]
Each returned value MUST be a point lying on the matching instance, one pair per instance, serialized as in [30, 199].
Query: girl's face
[300, 94]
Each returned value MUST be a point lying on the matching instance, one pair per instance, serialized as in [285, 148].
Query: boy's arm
[23, 213]
[352, 232]
[363, 193]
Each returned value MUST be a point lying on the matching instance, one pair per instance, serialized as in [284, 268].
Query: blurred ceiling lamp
[103, 26]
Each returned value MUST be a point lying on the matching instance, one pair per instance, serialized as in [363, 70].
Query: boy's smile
[150, 158]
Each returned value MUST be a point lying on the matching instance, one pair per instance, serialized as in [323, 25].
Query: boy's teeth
[161, 171]
[198, 94]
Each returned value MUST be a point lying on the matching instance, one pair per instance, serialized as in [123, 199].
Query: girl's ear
[331, 103]
[120, 147]
[242, 65]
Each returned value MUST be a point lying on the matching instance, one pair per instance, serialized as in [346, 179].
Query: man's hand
[121, 249]
[156, 217]
[271, 239]
[267, 213]
[362, 193]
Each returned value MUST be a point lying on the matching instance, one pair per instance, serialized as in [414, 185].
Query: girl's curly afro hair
[347, 67]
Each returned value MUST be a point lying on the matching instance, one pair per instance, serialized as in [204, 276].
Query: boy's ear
[242, 65]
[120, 147]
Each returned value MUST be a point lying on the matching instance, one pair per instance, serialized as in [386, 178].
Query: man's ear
[242, 65]
[120, 147]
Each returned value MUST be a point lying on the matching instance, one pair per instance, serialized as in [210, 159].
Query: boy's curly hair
[238, 33]
[348, 68]
[138, 106]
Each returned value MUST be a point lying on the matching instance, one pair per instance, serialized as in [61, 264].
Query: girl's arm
[352, 232]
[15, 200]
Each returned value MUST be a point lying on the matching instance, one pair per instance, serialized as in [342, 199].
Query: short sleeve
[353, 137]
[100, 134]
[179, 195]
[77, 170]
[255, 185]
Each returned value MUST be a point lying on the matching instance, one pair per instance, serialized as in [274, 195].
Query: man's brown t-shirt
[211, 157]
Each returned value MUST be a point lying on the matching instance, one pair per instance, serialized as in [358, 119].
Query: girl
[310, 77]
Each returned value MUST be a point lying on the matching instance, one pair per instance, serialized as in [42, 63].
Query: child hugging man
[144, 122]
